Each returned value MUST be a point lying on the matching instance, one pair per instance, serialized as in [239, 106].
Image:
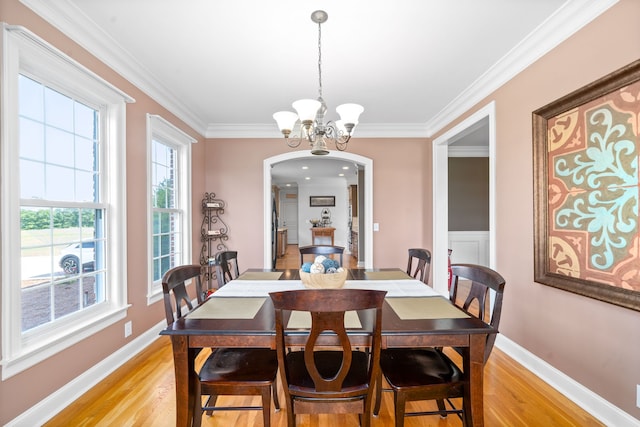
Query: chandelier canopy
[310, 114]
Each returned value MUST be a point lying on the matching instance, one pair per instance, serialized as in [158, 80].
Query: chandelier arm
[293, 141]
[341, 144]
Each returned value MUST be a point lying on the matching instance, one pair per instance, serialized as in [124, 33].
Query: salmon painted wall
[234, 171]
[22, 391]
[595, 343]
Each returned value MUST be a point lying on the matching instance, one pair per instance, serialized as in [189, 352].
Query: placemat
[228, 308]
[386, 275]
[425, 308]
[260, 275]
[302, 320]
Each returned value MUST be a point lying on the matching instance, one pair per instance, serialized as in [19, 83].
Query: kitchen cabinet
[353, 244]
[353, 200]
[282, 242]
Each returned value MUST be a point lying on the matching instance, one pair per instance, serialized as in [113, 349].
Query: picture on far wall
[586, 190]
[322, 201]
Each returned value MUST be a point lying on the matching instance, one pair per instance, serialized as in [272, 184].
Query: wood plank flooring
[142, 393]
[291, 259]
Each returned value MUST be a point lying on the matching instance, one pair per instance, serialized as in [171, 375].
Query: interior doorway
[366, 230]
[440, 192]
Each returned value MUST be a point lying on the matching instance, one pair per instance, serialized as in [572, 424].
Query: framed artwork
[587, 190]
[322, 201]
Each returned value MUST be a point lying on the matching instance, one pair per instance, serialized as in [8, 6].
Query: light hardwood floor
[141, 393]
[291, 259]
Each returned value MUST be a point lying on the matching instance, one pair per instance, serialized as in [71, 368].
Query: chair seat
[405, 368]
[328, 364]
[247, 365]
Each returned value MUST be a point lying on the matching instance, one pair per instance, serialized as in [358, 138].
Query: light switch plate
[376, 226]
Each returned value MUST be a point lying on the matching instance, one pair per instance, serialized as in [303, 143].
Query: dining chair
[316, 250]
[321, 379]
[227, 371]
[428, 373]
[419, 264]
[227, 267]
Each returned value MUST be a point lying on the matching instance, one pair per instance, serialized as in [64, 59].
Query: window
[63, 196]
[169, 200]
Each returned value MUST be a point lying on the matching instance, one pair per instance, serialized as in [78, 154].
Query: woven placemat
[228, 308]
[425, 308]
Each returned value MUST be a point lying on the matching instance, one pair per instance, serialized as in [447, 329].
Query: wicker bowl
[323, 281]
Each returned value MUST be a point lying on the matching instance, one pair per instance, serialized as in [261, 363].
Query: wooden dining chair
[321, 379]
[227, 371]
[419, 265]
[428, 373]
[326, 250]
[227, 267]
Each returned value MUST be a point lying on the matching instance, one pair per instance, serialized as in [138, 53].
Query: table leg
[183, 362]
[474, 370]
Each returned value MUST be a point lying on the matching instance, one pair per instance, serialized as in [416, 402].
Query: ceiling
[224, 67]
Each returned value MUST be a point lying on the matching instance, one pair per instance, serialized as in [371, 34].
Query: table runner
[425, 308]
[261, 288]
[227, 308]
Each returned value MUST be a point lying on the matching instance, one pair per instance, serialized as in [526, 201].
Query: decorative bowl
[323, 281]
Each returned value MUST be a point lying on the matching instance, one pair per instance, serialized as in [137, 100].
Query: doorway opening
[441, 147]
[365, 165]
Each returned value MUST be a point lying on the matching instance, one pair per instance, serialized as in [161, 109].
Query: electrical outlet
[128, 329]
[376, 226]
[638, 395]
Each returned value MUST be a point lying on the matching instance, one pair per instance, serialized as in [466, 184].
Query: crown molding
[67, 18]
[363, 130]
[572, 16]
[566, 21]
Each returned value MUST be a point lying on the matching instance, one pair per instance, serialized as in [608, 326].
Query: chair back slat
[481, 280]
[325, 250]
[419, 264]
[327, 309]
[227, 267]
[173, 281]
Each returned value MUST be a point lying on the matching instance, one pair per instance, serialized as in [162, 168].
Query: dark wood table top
[263, 324]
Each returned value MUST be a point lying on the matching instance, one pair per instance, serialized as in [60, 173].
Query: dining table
[241, 314]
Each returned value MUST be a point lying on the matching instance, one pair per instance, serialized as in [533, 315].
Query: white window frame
[24, 52]
[163, 131]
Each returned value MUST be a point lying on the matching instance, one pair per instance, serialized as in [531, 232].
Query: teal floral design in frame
[587, 190]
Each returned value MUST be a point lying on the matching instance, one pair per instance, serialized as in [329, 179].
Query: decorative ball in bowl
[323, 273]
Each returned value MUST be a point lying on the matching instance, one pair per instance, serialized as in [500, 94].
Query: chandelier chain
[319, 60]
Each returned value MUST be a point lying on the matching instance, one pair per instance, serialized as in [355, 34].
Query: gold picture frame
[586, 182]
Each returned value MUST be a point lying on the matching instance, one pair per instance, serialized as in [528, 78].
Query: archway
[367, 165]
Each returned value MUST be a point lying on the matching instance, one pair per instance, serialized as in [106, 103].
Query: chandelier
[310, 114]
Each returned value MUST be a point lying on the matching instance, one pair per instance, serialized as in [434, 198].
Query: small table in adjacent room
[321, 233]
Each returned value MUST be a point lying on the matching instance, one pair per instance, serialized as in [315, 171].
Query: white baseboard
[44, 410]
[591, 402]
